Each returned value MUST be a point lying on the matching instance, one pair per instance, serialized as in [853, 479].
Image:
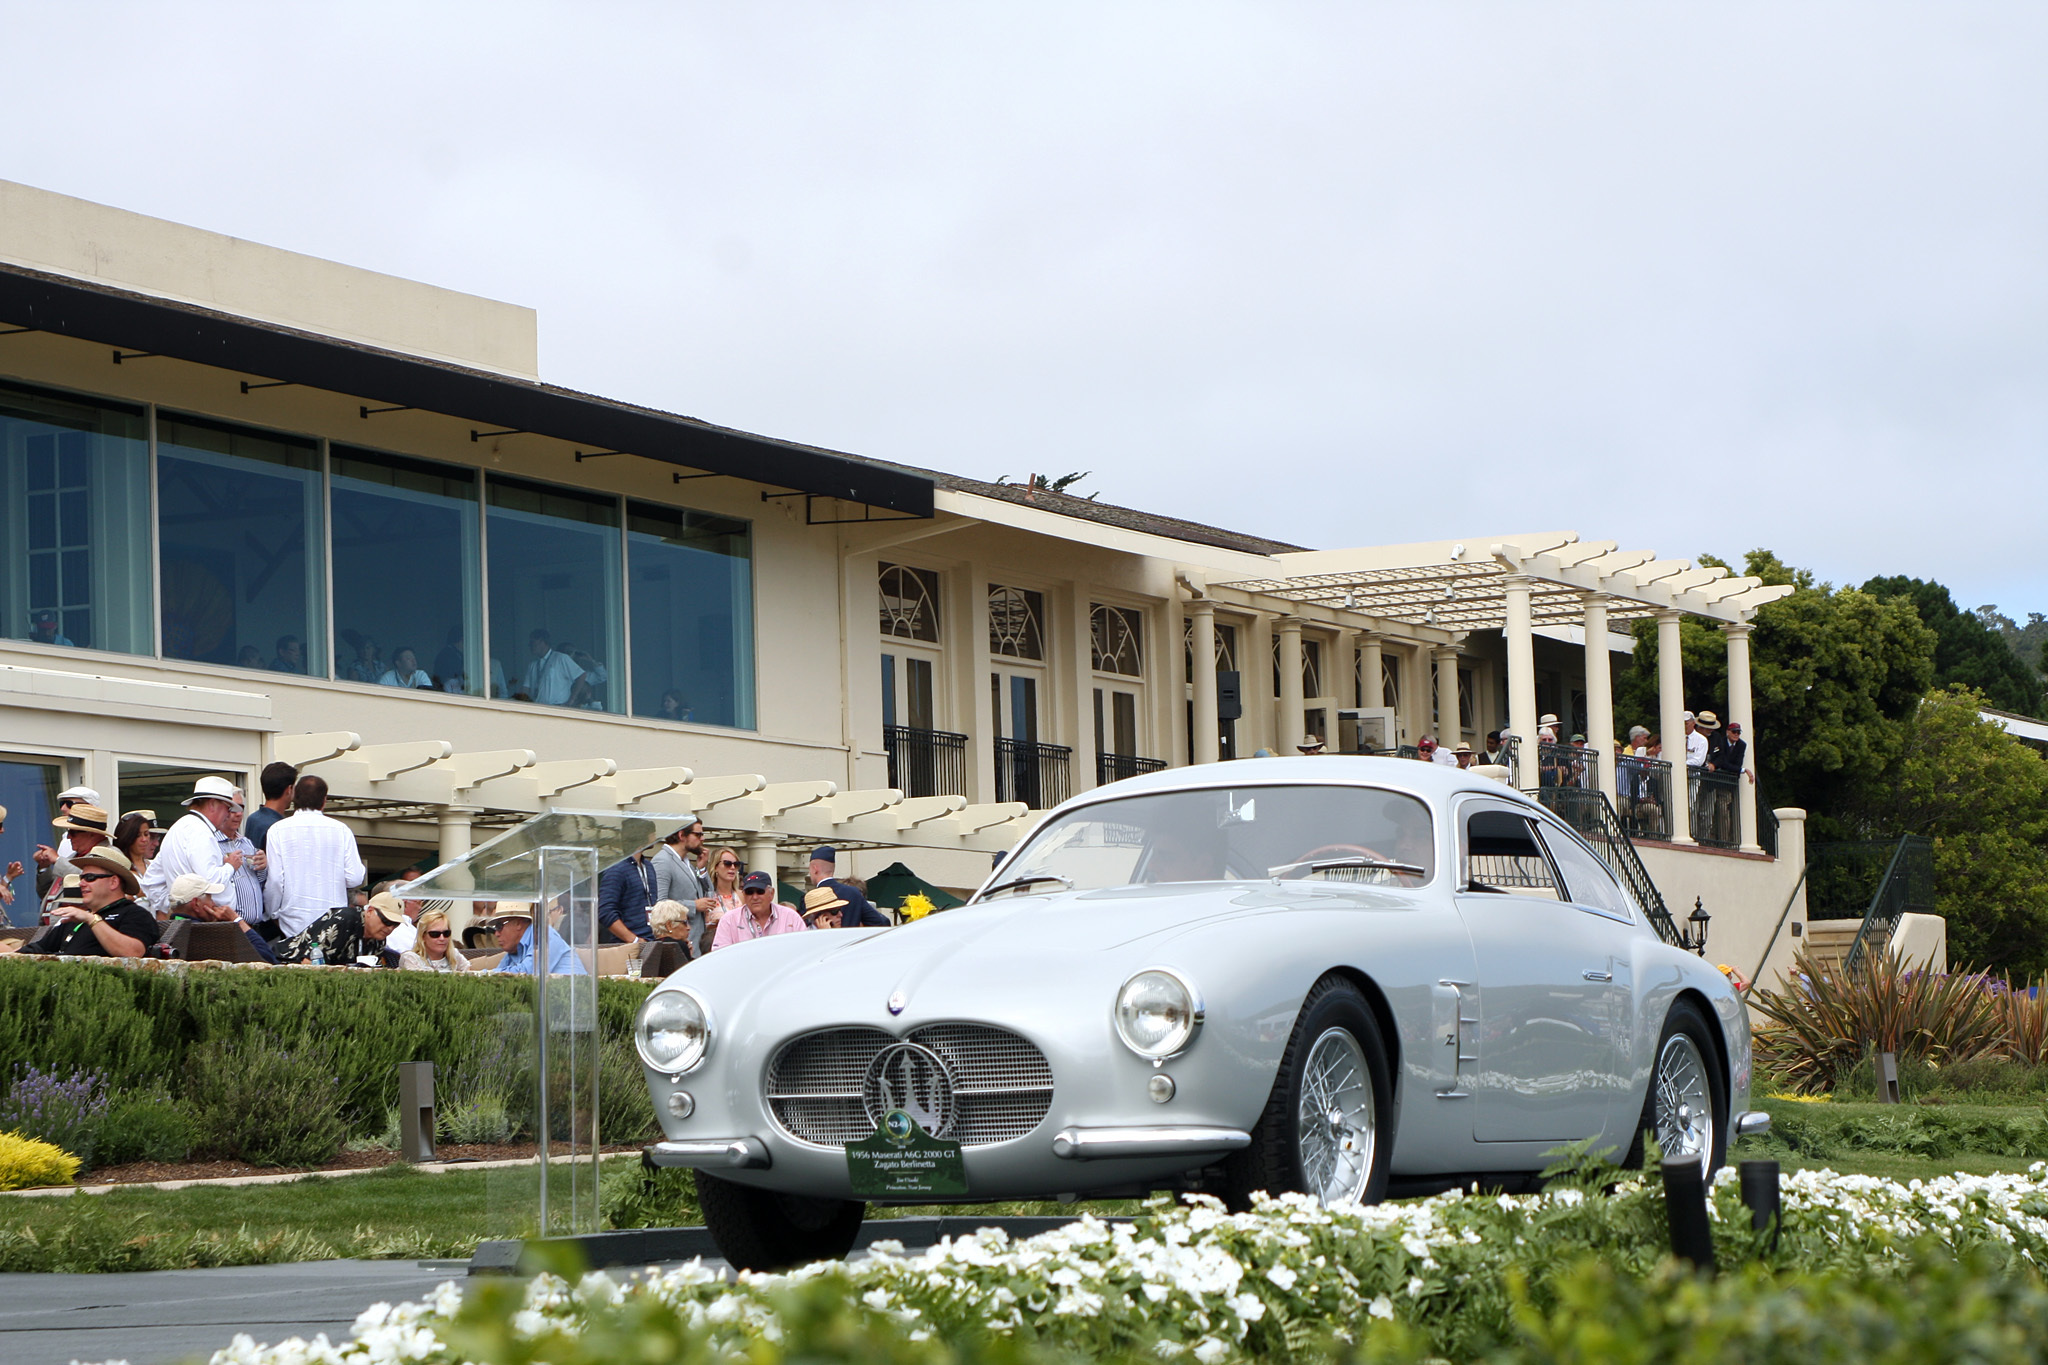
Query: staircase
[1828, 942]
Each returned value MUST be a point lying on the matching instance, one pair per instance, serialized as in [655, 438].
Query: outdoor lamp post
[1696, 940]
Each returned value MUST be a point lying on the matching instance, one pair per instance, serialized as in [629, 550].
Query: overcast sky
[1694, 279]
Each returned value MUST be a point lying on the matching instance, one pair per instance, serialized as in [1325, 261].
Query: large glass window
[74, 522]
[240, 526]
[29, 792]
[407, 605]
[554, 595]
[693, 615]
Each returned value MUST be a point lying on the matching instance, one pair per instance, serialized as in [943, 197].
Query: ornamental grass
[1826, 1019]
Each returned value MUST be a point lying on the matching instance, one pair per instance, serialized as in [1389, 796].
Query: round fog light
[1160, 1087]
[680, 1105]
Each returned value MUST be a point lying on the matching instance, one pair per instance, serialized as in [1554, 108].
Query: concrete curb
[286, 1177]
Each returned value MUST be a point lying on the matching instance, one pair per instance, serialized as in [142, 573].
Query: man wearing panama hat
[84, 827]
[109, 923]
[193, 845]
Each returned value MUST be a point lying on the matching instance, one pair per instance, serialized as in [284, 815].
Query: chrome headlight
[673, 1031]
[1157, 1013]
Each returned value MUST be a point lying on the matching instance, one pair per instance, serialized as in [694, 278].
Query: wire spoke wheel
[1684, 1099]
[1336, 1127]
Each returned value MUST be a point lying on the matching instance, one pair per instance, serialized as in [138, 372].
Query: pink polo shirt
[738, 926]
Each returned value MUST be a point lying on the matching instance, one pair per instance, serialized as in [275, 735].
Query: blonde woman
[724, 865]
[435, 950]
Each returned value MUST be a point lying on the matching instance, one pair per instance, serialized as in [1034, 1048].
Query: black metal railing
[1642, 797]
[926, 762]
[1908, 886]
[1035, 774]
[1766, 827]
[1717, 811]
[1567, 765]
[1116, 767]
[1589, 813]
[1510, 757]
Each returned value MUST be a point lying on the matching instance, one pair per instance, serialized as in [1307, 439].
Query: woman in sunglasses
[725, 889]
[435, 950]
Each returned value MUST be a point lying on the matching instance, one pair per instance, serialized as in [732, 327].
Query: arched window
[910, 603]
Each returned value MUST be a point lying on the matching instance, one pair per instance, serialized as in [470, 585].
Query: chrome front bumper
[1091, 1144]
[743, 1153]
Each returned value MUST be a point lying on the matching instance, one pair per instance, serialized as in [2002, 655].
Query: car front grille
[1002, 1084]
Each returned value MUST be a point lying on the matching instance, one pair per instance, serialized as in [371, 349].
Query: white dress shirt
[191, 845]
[1696, 751]
[551, 677]
[312, 864]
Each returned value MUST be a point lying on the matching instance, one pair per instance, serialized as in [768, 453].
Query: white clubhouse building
[255, 505]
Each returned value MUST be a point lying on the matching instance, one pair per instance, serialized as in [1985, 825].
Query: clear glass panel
[29, 792]
[407, 604]
[239, 522]
[693, 615]
[160, 787]
[509, 866]
[74, 522]
[554, 596]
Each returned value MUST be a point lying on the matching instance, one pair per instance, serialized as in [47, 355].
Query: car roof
[1436, 783]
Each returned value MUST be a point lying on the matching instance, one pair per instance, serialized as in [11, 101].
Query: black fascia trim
[117, 317]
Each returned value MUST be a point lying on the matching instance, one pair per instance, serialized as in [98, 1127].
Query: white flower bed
[1201, 1279]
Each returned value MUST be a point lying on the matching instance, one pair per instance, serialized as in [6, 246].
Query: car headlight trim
[673, 1031]
[1157, 1013]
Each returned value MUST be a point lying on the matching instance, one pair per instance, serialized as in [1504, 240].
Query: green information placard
[902, 1159]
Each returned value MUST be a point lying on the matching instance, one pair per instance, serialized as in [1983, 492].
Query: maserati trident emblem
[913, 1080]
[897, 1000]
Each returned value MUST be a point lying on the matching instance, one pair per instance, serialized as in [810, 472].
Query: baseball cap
[188, 886]
[757, 881]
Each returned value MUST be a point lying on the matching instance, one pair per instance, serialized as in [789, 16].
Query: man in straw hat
[348, 935]
[108, 923]
[1310, 744]
[821, 908]
[516, 932]
[85, 827]
[52, 866]
[194, 843]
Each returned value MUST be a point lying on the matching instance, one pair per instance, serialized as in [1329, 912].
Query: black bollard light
[1685, 1204]
[416, 1111]
[1761, 1194]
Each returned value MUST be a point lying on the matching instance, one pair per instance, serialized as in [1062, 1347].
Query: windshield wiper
[1031, 879]
[1354, 860]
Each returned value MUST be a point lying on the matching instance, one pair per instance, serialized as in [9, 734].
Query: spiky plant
[1826, 1019]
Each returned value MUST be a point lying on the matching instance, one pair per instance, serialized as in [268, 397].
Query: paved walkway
[158, 1317]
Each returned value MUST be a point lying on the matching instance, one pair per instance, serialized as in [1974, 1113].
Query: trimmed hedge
[141, 1030]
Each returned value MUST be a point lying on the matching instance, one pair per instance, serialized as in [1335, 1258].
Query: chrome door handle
[1598, 976]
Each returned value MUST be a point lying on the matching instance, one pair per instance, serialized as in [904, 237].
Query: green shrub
[144, 1127]
[263, 1106]
[1825, 1020]
[26, 1163]
[135, 1027]
[639, 1198]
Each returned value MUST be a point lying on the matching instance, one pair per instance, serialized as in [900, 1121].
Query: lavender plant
[49, 1106]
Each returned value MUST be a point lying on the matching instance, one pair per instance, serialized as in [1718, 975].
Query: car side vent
[1000, 1082]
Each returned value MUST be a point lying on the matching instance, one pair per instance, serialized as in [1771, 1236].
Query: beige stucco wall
[1922, 941]
[69, 236]
[1746, 895]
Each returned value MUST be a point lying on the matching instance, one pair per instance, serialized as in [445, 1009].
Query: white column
[761, 857]
[1372, 664]
[1293, 715]
[1340, 673]
[1671, 721]
[1740, 710]
[1204, 745]
[454, 822]
[1521, 642]
[970, 659]
[1599, 693]
[1449, 717]
[1081, 770]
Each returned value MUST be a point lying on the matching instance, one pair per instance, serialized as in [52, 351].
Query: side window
[1586, 879]
[1502, 854]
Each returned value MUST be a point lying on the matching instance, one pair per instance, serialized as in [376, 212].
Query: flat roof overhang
[122, 318]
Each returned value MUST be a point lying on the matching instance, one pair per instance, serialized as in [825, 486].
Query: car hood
[965, 962]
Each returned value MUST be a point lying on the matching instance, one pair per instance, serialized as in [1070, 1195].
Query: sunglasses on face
[437, 933]
[727, 862]
[85, 877]
[756, 891]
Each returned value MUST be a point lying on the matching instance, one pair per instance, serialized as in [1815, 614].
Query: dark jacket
[860, 912]
[624, 893]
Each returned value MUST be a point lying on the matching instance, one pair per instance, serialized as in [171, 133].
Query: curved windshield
[1230, 834]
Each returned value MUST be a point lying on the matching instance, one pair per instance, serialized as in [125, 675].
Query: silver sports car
[1333, 975]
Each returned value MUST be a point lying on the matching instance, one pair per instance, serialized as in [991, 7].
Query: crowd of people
[291, 878]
